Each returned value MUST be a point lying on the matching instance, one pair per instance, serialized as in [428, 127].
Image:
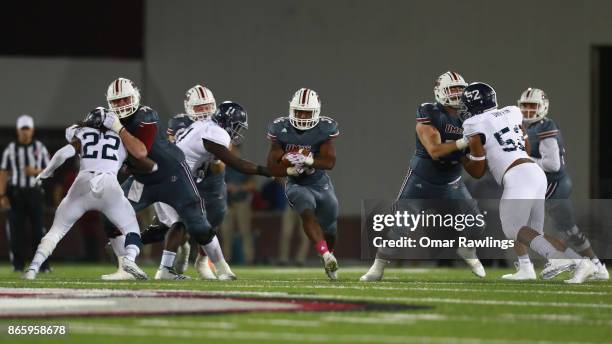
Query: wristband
[461, 144]
[477, 158]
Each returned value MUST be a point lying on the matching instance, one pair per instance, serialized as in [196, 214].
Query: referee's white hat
[25, 121]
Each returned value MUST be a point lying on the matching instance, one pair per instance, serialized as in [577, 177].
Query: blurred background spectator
[239, 215]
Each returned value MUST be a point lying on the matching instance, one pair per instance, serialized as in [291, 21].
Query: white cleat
[331, 265]
[181, 262]
[168, 273]
[470, 258]
[376, 271]
[584, 270]
[224, 273]
[131, 268]
[556, 266]
[523, 272]
[601, 273]
[203, 268]
[30, 274]
[120, 275]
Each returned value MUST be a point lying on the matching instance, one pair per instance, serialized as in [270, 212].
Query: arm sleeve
[273, 130]
[333, 130]
[549, 151]
[58, 159]
[146, 132]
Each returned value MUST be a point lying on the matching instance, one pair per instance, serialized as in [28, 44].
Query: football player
[547, 148]
[172, 183]
[496, 139]
[435, 170]
[102, 153]
[302, 149]
[204, 142]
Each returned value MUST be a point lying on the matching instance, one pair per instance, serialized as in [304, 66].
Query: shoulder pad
[211, 131]
[425, 111]
[328, 126]
[178, 122]
[71, 132]
[275, 128]
[546, 128]
[146, 114]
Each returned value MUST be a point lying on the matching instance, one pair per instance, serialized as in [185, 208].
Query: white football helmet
[533, 96]
[199, 95]
[119, 89]
[305, 99]
[443, 92]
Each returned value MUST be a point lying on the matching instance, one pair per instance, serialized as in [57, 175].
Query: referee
[22, 161]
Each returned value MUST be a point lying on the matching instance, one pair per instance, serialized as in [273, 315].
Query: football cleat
[224, 273]
[131, 268]
[470, 258]
[168, 273]
[120, 275]
[331, 265]
[30, 274]
[376, 271]
[203, 267]
[584, 270]
[181, 262]
[601, 273]
[523, 272]
[556, 266]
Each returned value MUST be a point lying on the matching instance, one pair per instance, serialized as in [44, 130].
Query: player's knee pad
[133, 239]
[215, 216]
[197, 225]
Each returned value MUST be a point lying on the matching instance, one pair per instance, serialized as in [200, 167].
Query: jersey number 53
[510, 144]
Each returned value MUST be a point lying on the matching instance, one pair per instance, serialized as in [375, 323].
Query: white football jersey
[190, 142]
[504, 141]
[100, 152]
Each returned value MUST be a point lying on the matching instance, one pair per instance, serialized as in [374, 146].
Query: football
[285, 161]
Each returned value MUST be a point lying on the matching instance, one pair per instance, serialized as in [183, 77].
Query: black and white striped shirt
[17, 156]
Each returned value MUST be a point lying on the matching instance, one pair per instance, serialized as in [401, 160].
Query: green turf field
[463, 309]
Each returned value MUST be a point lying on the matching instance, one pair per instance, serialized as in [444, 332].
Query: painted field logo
[34, 303]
